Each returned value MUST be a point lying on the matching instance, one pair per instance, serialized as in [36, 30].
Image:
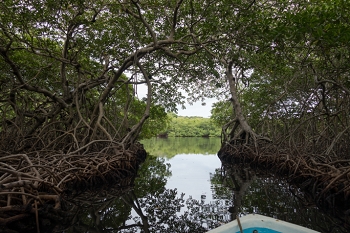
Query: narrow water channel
[182, 187]
[238, 189]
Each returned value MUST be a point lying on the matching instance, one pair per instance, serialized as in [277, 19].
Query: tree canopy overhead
[72, 69]
[288, 75]
[64, 62]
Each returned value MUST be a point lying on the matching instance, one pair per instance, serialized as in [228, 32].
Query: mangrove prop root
[328, 183]
[29, 181]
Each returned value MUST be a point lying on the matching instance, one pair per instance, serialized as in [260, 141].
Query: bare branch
[175, 15]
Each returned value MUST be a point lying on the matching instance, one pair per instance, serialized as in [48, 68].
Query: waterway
[182, 187]
[223, 193]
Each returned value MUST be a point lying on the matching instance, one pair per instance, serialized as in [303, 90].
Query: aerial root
[28, 182]
[327, 183]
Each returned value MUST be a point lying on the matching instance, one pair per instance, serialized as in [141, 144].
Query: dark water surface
[182, 188]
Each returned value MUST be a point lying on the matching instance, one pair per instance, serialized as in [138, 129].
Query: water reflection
[148, 207]
[169, 147]
[253, 191]
[169, 195]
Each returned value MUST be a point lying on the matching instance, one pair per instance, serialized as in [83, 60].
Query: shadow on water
[149, 206]
[146, 207]
[254, 191]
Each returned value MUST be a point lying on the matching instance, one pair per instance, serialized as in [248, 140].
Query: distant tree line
[172, 146]
[183, 126]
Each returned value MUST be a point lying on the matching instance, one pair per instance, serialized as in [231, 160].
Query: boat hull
[255, 223]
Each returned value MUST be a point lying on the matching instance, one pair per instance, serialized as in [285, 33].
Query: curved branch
[149, 29]
[135, 130]
[28, 87]
[347, 91]
[225, 127]
[177, 7]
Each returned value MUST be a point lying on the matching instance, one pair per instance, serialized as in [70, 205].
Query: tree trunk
[246, 129]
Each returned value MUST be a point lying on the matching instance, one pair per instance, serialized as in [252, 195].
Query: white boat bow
[256, 223]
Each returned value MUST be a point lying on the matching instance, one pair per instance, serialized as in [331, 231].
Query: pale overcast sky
[197, 109]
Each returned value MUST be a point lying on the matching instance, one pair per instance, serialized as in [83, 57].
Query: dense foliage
[191, 127]
[63, 83]
[171, 146]
[68, 66]
[290, 76]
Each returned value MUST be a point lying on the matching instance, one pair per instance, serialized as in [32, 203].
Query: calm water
[182, 188]
[192, 163]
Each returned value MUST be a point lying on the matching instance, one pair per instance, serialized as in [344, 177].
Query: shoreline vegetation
[326, 185]
[71, 72]
[30, 184]
[172, 146]
[186, 126]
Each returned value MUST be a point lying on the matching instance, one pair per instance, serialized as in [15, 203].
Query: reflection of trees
[169, 147]
[101, 213]
[163, 210]
[147, 207]
[256, 192]
[152, 176]
[242, 179]
[163, 213]
[107, 209]
[232, 184]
